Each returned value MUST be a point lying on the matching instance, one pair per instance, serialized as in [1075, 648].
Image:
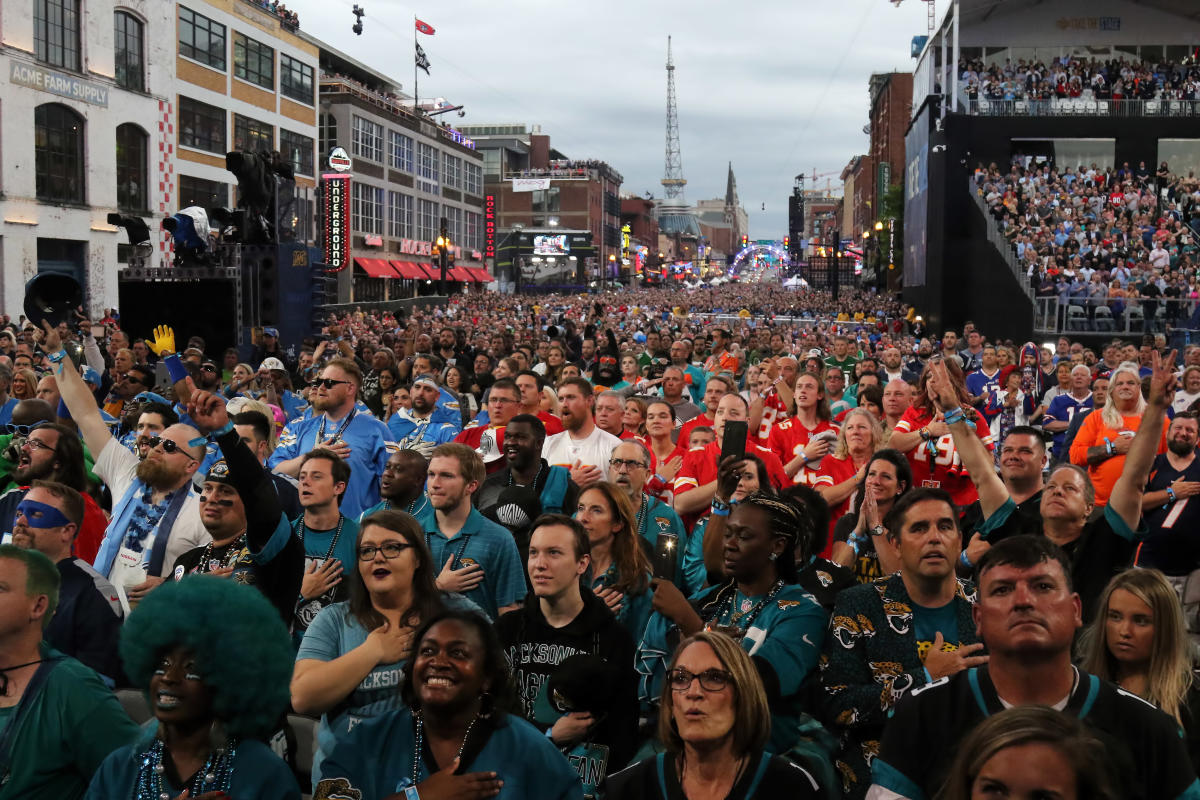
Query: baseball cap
[273, 363]
[218, 473]
[271, 332]
[91, 376]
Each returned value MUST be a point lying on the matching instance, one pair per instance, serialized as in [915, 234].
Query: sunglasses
[328, 383]
[207, 368]
[131, 377]
[169, 446]
[23, 430]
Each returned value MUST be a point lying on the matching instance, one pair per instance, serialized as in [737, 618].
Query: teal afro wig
[241, 646]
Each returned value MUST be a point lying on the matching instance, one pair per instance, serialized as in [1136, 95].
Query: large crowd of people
[1112, 79]
[1114, 239]
[648, 544]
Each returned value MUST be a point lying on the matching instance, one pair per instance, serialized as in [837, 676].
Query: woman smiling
[453, 738]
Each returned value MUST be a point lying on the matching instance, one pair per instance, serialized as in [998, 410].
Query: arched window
[128, 51]
[58, 153]
[132, 188]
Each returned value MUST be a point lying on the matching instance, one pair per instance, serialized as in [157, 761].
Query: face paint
[39, 515]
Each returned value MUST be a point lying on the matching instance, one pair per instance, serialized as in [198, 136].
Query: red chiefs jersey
[943, 468]
[774, 412]
[702, 421]
[789, 438]
[832, 472]
[553, 424]
[471, 437]
[700, 468]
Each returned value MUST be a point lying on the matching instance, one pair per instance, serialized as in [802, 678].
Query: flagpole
[415, 45]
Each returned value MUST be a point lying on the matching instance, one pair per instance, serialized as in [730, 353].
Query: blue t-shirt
[377, 760]
[929, 622]
[333, 634]
[1063, 408]
[367, 438]
[487, 544]
[6, 411]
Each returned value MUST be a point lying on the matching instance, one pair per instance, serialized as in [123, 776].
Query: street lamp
[612, 261]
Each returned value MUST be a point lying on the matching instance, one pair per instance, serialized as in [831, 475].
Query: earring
[773, 556]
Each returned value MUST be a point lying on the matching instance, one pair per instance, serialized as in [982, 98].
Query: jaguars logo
[847, 718]
[894, 680]
[968, 592]
[849, 779]
[865, 625]
[336, 789]
[899, 616]
[825, 578]
[664, 524]
[870, 749]
[846, 631]
[467, 562]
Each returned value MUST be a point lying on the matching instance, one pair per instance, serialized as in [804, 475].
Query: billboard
[916, 200]
[551, 245]
[337, 221]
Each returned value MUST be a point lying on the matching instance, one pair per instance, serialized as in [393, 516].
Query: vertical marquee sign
[489, 227]
[337, 221]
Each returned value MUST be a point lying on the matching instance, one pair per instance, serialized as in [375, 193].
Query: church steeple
[731, 198]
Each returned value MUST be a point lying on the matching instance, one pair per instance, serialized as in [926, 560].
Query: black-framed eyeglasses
[328, 383]
[38, 444]
[207, 368]
[169, 446]
[132, 377]
[619, 463]
[711, 680]
[390, 550]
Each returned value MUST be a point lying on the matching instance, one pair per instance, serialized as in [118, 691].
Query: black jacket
[534, 650]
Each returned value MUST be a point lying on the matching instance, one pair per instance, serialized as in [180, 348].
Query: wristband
[661, 478]
[57, 357]
[966, 562]
[175, 367]
[222, 431]
[853, 542]
[925, 434]
[410, 793]
[953, 416]
[1108, 447]
[778, 379]
[1171, 494]
[719, 508]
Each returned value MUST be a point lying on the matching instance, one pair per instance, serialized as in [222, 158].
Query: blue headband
[39, 515]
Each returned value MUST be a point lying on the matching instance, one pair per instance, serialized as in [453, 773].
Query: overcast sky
[778, 87]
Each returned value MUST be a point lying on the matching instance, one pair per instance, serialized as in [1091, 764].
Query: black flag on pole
[422, 60]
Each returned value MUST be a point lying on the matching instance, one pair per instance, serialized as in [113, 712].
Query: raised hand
[1162, 379]
[51, 341]
[940, 386]
[164, 340]
[208, 411]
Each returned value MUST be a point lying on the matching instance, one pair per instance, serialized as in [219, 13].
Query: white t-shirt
[594, 450]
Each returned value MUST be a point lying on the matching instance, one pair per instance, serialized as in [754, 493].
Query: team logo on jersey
[825, 578]
[870, 749]
[899, 616]
[467, 562]
[894, 680]
[784, 605]
[848, 631]
[336, 789]
[287, 438]
[664, 524]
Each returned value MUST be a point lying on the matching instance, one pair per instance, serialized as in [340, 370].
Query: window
[201, 126]
[297, 150]
[127, 51]
[253, 61]
[366, 208]
[400, 215]
[131, 168]
[454, 223]
[427, 220]
[367, 139]
[472, 178]
[199, 192]
[327, 130]
[471, 229]
[251, 135]
[56, 32]
[451, 171]
[427, 166]
[400, 151]
[201, 38]
[58, 153]
[295, 79]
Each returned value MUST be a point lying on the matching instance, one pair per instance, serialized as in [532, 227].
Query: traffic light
[745, 240]
[786, 240]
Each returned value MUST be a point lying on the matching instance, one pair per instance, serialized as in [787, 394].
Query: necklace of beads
[744, 619]
[301, 527]
[641, 514]
[234, 547]
[419, 740]
[215, 776]
[533, 487]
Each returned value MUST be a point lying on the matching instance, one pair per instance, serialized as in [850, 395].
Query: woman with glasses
[758, 604]
[350, 663]
[714, 723]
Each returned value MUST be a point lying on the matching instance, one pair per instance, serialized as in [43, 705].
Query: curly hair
[243, 650]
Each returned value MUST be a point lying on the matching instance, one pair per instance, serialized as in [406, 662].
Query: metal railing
[998, 240]
[1078, 107]
[1053, 315]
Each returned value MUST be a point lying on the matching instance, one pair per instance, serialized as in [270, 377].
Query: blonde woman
[1105, 438]
[1138, 641]
[842, 472]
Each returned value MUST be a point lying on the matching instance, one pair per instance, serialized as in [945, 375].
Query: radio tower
[673, 180]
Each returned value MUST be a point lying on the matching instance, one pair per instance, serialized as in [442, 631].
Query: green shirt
[75, 721]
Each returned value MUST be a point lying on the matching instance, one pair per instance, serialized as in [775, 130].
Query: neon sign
[337, 221]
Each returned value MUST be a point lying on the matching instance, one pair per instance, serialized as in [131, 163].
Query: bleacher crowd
[1110, 241]
[1109, 79]
[653, 544]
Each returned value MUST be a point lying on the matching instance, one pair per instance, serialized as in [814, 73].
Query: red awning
[375, 267]
[431, 272]
[408, 269]
[461, 275]
[481, 274]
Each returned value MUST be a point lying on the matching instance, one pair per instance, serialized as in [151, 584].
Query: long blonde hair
[1170, 653]
[1111, 414]
[841, 449]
